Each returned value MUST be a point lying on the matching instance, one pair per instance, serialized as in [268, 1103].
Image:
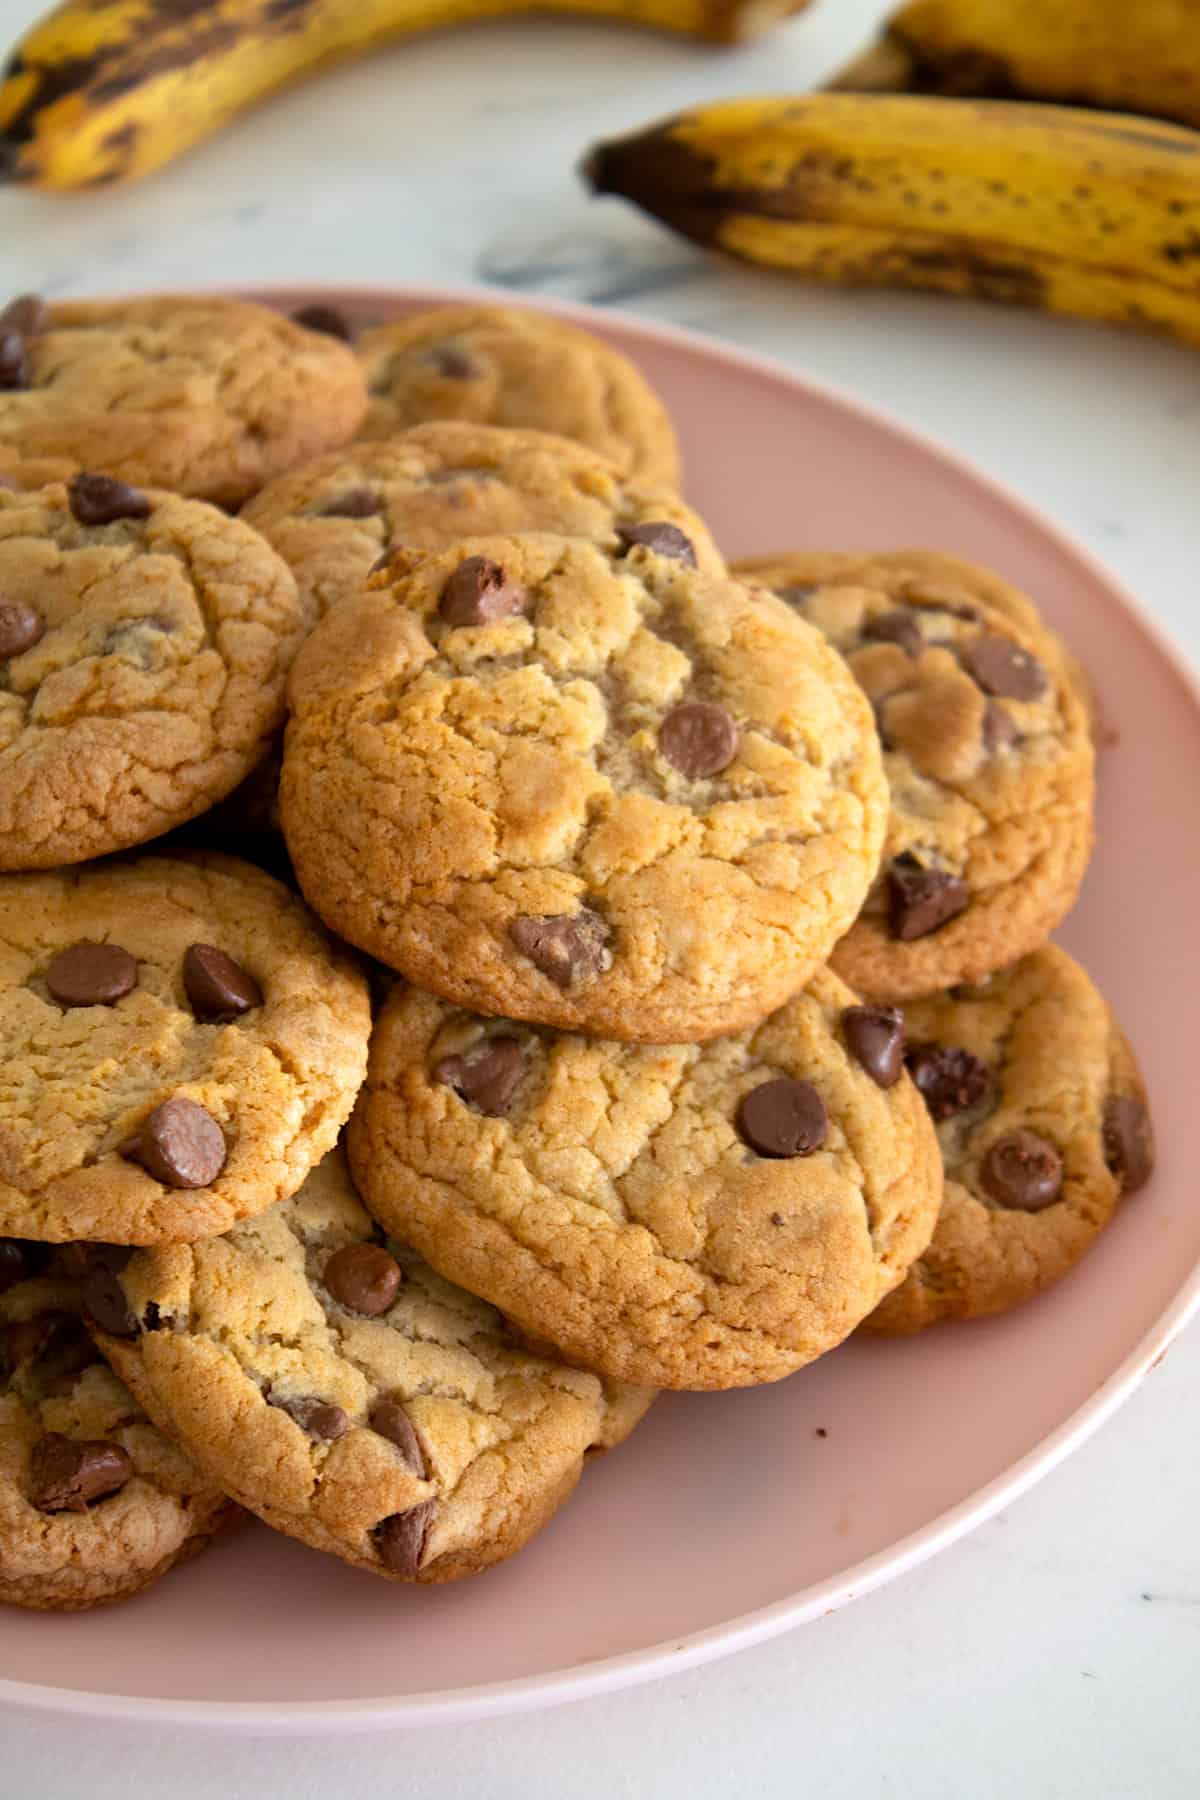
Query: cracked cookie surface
[989, 766]
[144, 678]
[1043, 1126]
[204, 396]
[428, 487]
[495, 365]
[703, 1216]
[112, 1506]
[630, 798]
[108, 1018]
[342, 1390]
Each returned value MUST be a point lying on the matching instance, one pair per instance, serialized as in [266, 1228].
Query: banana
[102, 91]
[1139, 56]
[1089, 213]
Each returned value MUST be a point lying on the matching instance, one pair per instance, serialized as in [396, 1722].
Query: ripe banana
[102, 91]
[1138, 56]
[1090, 213]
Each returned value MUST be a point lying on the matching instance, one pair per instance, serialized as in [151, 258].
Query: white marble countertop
[1055, 1652]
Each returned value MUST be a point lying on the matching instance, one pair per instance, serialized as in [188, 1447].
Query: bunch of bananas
[102, 91]
[887, 181]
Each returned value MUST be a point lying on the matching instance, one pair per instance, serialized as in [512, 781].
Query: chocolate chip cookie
[94, 1502]
[201, 395]
[498, 365]
[703, 1216]
[936, 575]
[595, 788]
[144, 645]
[179, 1044]
[990, 771]
[1043, 1124]
[330, 1380]
[432, 486]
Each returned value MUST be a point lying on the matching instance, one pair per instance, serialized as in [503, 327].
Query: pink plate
[727, 1518]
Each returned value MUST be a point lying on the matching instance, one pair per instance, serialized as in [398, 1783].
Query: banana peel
[103, 91]
[1095, 215]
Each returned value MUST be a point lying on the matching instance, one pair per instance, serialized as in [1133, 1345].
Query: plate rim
[609, 1674]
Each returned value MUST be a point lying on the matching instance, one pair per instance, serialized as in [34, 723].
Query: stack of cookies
[634, 974]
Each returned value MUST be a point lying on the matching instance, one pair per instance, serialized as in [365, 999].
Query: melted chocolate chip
[875, 1038]
[950, 1080]
[566, 947]
[661, 537]
[999, 730]
[783, 1118]
[899, 627]
[1022, 1172]
[66, 1475]
[180, 1144]
[401, 1539]
[325, 319]
[699, 739]
[920, 899]
[27, 314]
[20, 628]
[391, 1421]
[218, 989]
[479, 592]
[20, 1260]
[487, 1075]
[354, 503]
[319, 1418]
[1128, 1141]
[1003, 669]
[14, 361]
[452, 362]
[24, 1342]
[88, 974]
[104, 1301]
[364, 1278]
[101, 500]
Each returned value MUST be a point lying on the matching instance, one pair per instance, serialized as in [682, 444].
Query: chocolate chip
[899, 627]
[67, 1475]
[180, 1144]
[104, 1301]
[14, 361]
[1128, 1141]
[875, 1038]
[20, 1260]
[325, 319]
[1002, 668]
[27, 314]
[391, 1421]
[657, 535]
[401, 1539]
[921, 899]
[25, 1341]
[452, 362]
[796, 596]
[1023, 1172]
[999, 729]
[319, 1418]
[218, 989]
[783, 1118]
[364, 1278]
[487, 1075]
[699, 739]
[20, 628]
[87, 974]
[355, 503]
[566, 947]
[950, 1080]
[479, 592]
[101, 500]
